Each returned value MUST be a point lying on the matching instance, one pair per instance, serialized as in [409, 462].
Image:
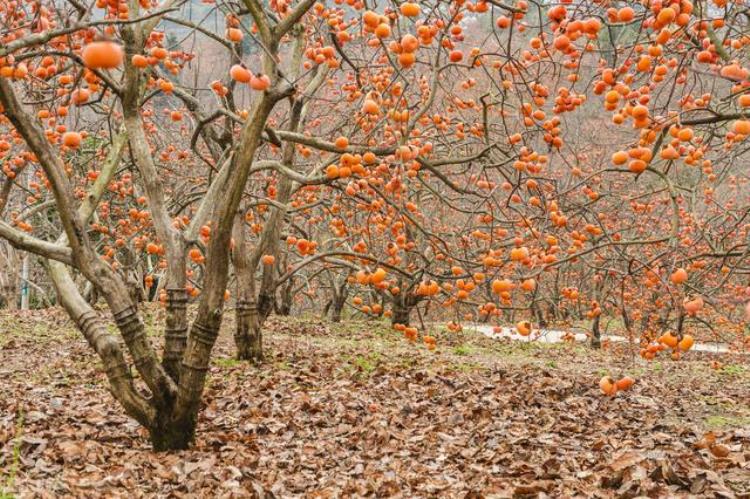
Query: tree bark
[102, 341]
[338, 301]
[248, 336]
[167, 434]
[285, 308]
[205, 328]
[596, 336]
[9, 279]
[402, 307]
[247, 339]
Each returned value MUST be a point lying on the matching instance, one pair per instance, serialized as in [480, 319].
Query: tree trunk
[596, 336]
[340, 293]
[538, 315]
[8, 294]
[175, 331]
[402, 306]
[680, 321]
[247, 334]
[400, 315]
[168, 435]
[337, 307]
[248, 337]
[285, 308]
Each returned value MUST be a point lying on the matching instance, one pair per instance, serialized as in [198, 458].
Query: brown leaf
[626, 460]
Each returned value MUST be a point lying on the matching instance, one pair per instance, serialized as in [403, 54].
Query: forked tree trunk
[402, 307]
[400, 315]
[102, 341]
[249, 327]
[338, 300]
[167, 434]
[337, 308]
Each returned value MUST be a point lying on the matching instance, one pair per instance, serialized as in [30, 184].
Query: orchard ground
[353, 409]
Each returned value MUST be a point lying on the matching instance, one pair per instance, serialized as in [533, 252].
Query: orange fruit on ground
[523, 328]
[608, 386]
[625, 383]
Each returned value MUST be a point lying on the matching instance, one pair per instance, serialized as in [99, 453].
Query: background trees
[420, 161]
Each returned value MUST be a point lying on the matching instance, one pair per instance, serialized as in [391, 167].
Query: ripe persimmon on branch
[462, 161]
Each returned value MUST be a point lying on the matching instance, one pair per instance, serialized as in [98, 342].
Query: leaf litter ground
[354, 410]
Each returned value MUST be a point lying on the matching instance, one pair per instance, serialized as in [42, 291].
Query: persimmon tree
[69, 47]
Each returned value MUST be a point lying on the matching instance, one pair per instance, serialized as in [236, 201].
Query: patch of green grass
[227, 362]
[719, 422]
[281, 365]
[732, 370]
[462, 350]
[408, 363]
[366, 364]
[469, 367]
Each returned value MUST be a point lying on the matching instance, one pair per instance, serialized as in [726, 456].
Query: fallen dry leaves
[355, 411]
